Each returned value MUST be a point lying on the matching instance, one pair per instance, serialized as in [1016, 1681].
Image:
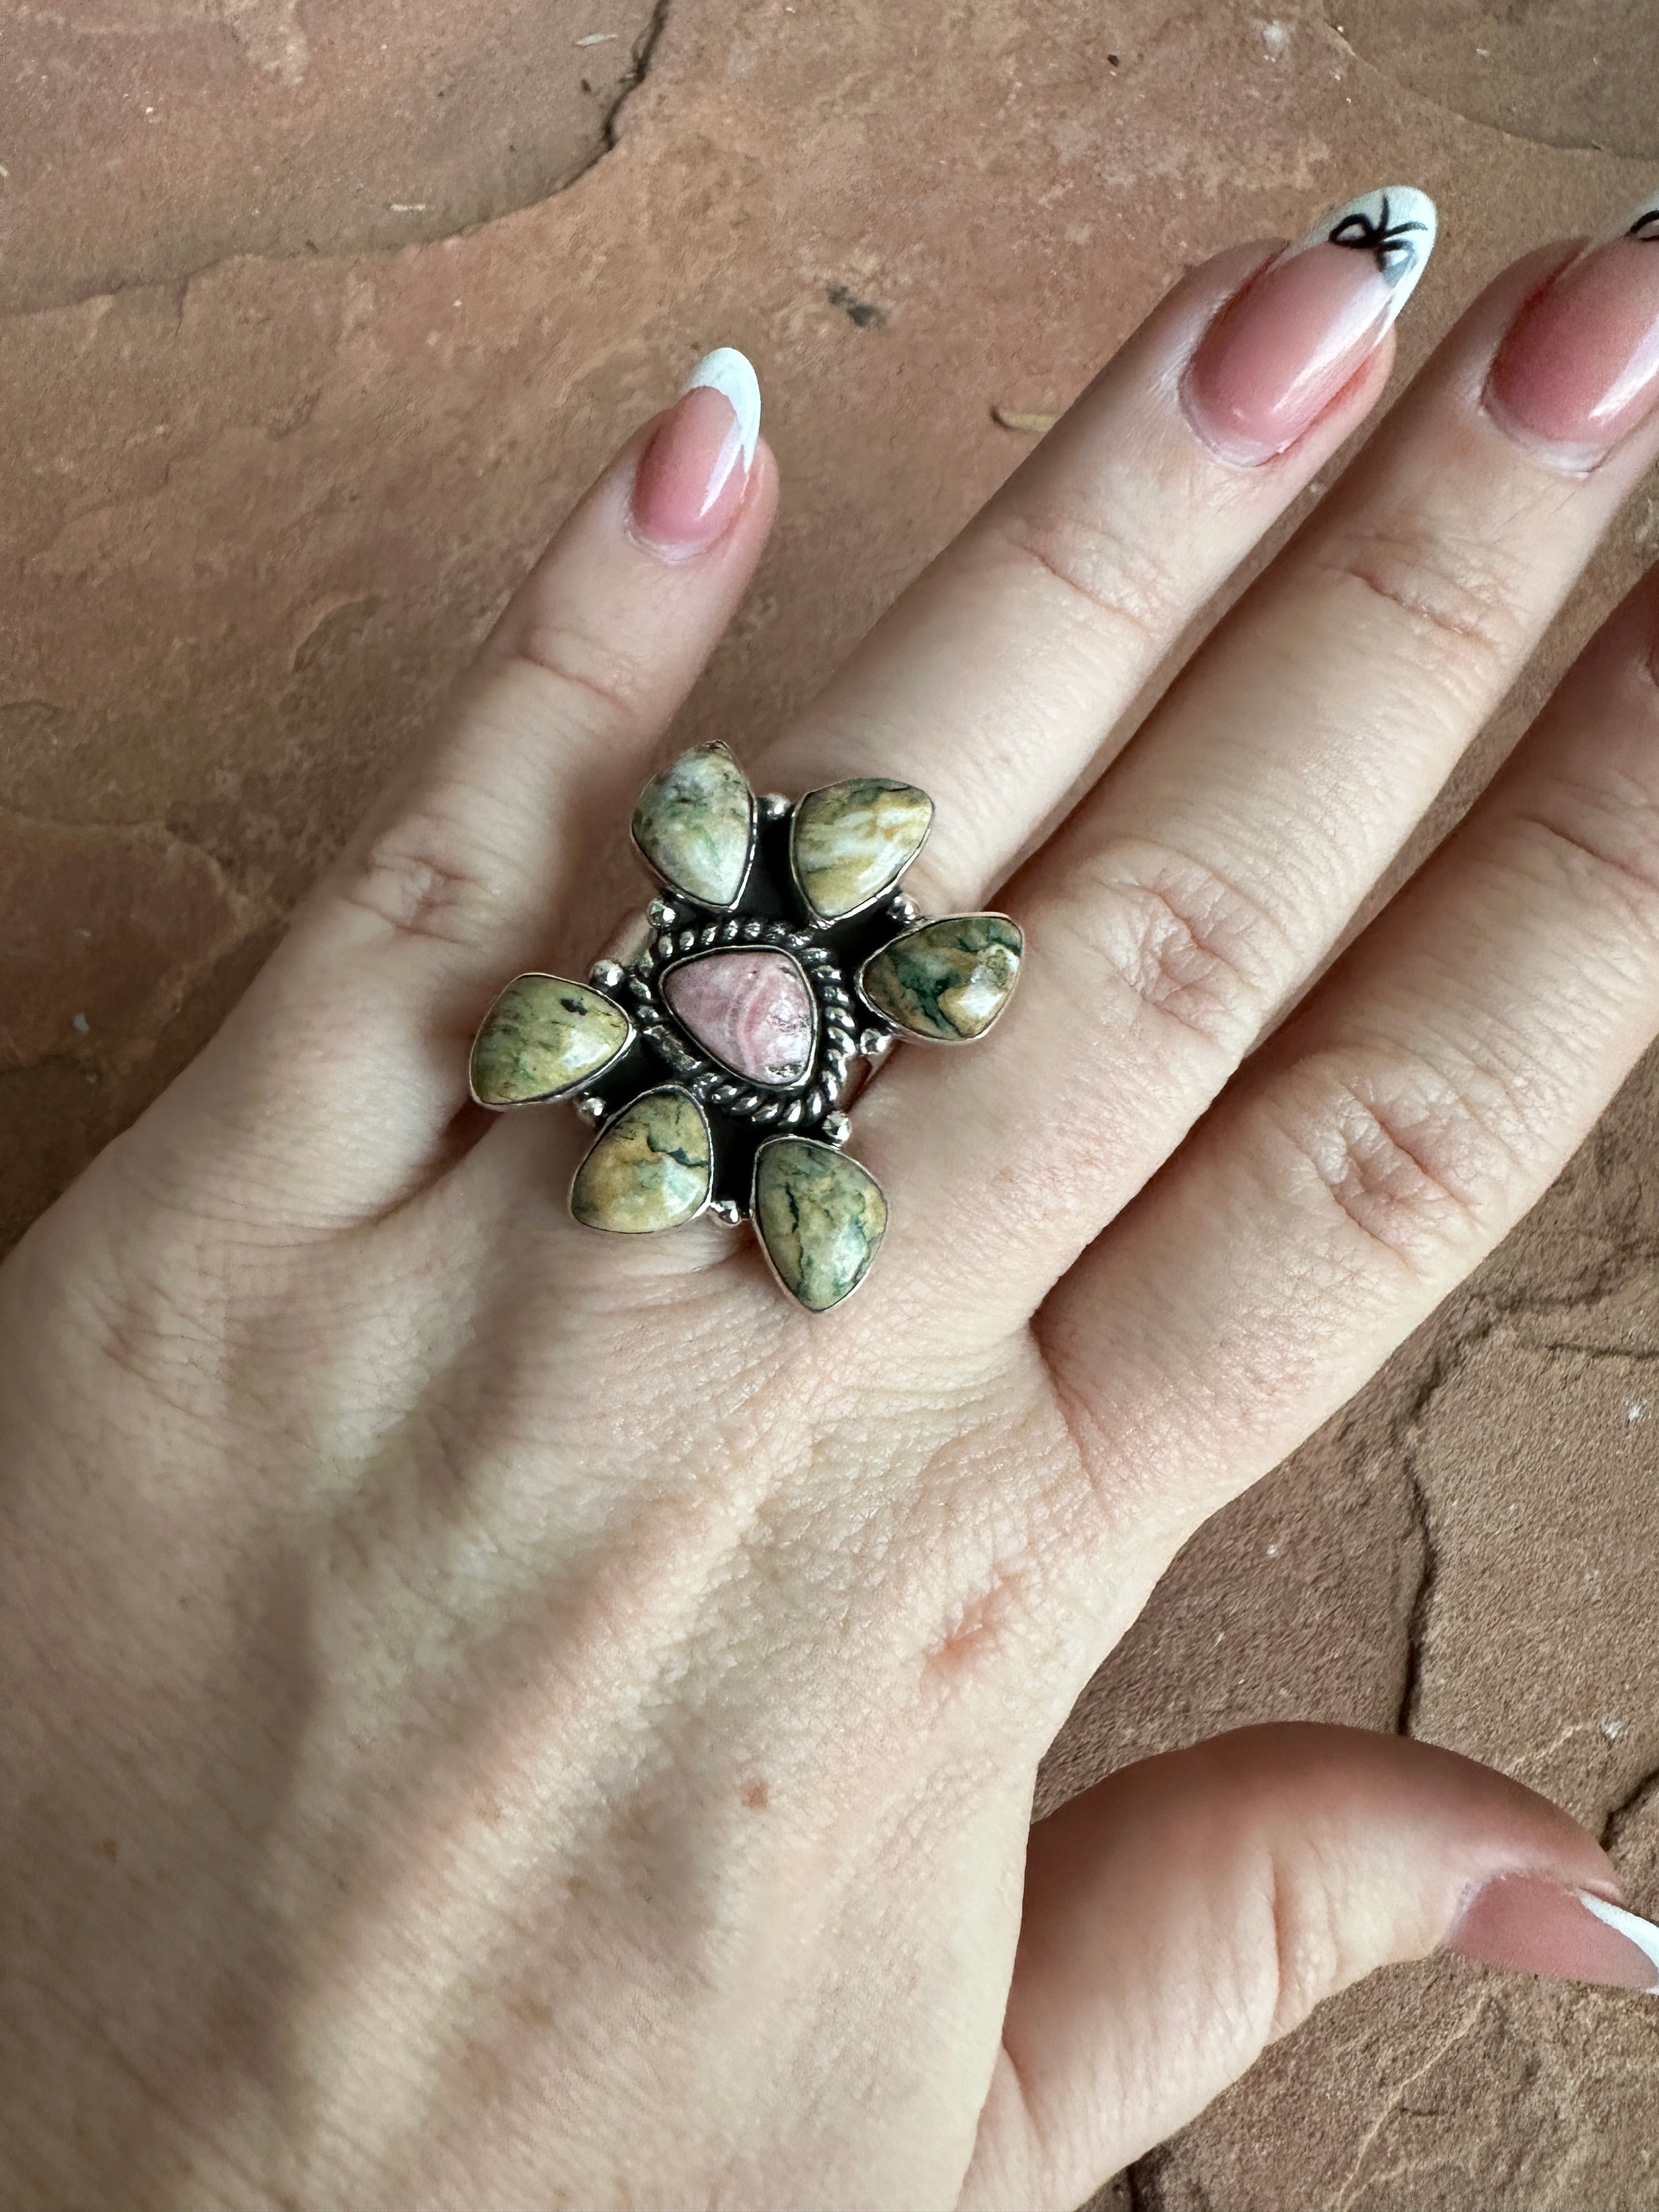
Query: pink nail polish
[693, 475]
[1580, 369]
[1275, 358]
[1538, 1926]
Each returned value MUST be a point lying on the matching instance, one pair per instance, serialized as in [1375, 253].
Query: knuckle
[1602, 840]
[1457, 596]
[425, 876]
[1312, 1952]
[1113, 580]
[594, 679]
[1187, 942]
[1417, 1162]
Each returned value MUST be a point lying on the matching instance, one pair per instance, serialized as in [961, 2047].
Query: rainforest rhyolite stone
[946, 980]
[648, 1168]
[752, 1010]
[544, 1036]
[851, 841]
[695, 824]
[821, 1216]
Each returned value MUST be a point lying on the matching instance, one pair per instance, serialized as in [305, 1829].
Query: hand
[501, 1716]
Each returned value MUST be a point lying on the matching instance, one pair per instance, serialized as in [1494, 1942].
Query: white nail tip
[1397, 226]
[1630, 1925]
[732, 375]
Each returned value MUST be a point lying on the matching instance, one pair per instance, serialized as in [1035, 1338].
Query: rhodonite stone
[821, 1216]
[648, 1168]
[946, 980]
[752, 1010]
[695, 824]
[544, 1036]
[851, 841]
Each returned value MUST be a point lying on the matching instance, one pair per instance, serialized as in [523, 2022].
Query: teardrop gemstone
[946, 980]
[851, 841]
[821, 1216]
[695, 824]
[751, 1009]
[648, 1168]
[544, 1036]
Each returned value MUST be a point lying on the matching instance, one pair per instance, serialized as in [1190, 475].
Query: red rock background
[313, 317]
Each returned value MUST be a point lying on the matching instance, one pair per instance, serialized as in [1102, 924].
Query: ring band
[716, 1058]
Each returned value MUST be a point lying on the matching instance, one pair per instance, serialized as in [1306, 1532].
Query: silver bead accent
[903, 908]
[590, 1106]
[835, 1128]
[772, 806]
[688, 938]
[874, 1044]
[607, 975]
[728, 1211]
[660, 915]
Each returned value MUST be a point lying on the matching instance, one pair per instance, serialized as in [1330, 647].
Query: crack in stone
[1465, 2027]
[1636, 1803]
[1492, 1319]
[642, 55]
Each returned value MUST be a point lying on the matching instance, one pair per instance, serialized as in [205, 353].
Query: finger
[1187, 1912]
[1394, 1131]
[997, 681]
[348, 1058]
[1192, 896]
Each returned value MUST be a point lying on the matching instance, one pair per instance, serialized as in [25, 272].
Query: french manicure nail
[693, 475]
[1542, 1927]
[1580, 369]
[1277, 357]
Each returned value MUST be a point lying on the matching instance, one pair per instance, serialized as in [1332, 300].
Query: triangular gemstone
[752, 1009]
[695, 824]
[851, 841]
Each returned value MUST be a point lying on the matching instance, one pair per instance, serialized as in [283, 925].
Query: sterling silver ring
[716, 1056]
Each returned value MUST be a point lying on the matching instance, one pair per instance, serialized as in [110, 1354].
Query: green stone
[946, 980]
[821, 1216]
[851, 841]
[544, 1036]
[648, 1168]
[695, 824]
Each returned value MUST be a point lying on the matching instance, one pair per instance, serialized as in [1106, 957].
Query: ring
[716, 1056]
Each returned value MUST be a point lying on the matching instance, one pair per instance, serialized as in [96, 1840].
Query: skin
[500, 1715]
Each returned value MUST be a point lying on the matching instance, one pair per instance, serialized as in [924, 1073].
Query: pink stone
[752, 1010]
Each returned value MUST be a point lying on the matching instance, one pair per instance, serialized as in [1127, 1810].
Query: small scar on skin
[757, 1795]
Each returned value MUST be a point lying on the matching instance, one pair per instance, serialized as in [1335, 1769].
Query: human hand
[501, 1716]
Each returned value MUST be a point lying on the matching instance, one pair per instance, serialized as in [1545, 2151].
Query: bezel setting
[739, 1114]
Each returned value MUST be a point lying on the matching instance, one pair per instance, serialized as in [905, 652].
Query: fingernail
[1275, 359]
[1580, 369]
[1541, 1927]
[693, 475]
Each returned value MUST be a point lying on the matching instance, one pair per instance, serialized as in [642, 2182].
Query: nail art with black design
[1396, 228]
